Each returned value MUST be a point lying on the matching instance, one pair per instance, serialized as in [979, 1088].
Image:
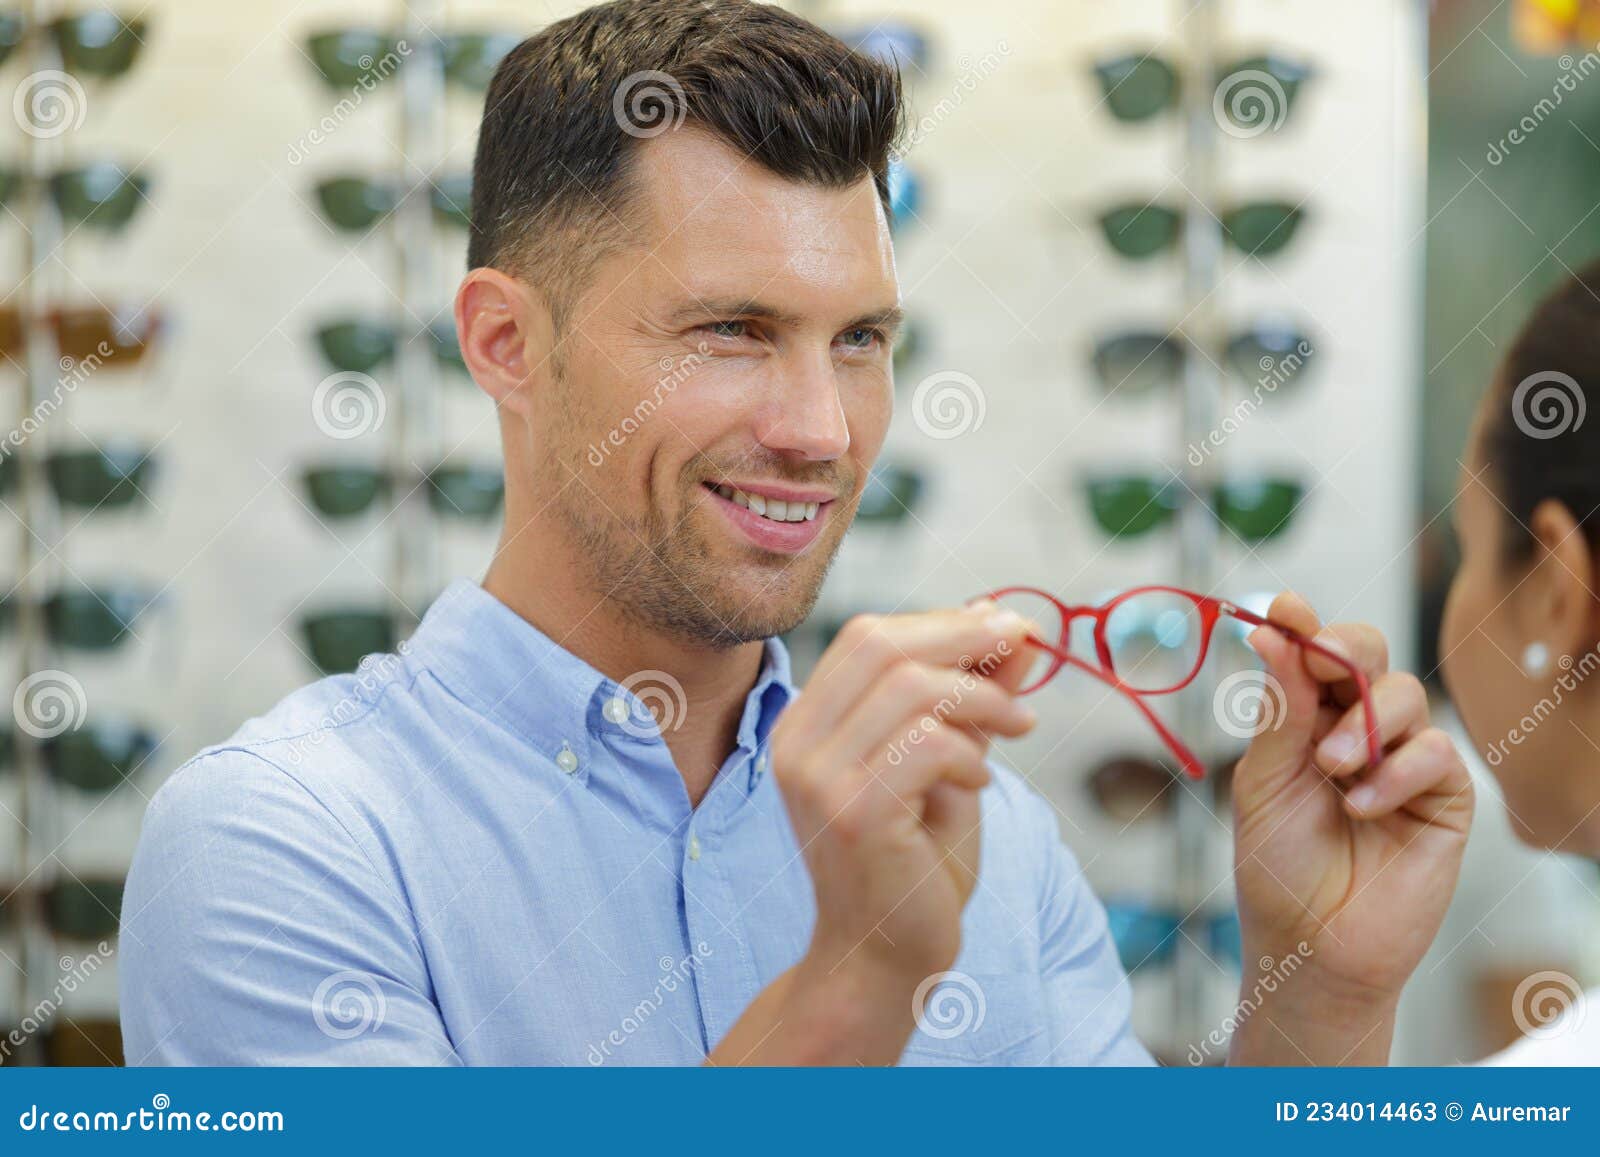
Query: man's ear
[1562, 603]
[507, 336]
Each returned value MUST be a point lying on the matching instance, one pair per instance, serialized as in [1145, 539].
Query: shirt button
[567, 759]
[761, 763]
[694, 846]
[616, 710]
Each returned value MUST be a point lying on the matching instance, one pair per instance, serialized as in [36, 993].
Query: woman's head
[1521, 634]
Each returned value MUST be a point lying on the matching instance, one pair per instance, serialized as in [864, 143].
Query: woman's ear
[506, 333]
[1561, 606]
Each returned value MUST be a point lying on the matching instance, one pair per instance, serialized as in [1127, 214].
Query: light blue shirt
[470, 853]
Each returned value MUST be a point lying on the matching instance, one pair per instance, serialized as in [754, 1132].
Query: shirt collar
[506, 668]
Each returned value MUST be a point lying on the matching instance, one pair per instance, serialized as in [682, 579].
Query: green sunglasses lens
[357, 347]
[1256, 93]
[1141, 231]
[1137, 363]
[99, 44]
[355, 204]
[1126, 506]
[890, 496]
[84, 909]
[102, 196]
[470, 58]
[1262, 228]
[353, 57]
[473, 492]
[10, 183]
[102, 477]
[1137, 87]
[11, 32]
[98, 756]
[93, 619]
[10, 471]
[339, 640]
[1268, 356]
[1257, 509]
[445, 346]
[344, 491]
[452, 200]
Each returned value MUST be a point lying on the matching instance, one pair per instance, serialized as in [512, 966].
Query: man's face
[726, 387]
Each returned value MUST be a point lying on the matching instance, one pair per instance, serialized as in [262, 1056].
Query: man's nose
[806, 417]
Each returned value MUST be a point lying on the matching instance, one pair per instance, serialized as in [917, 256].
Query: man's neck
[715, 682]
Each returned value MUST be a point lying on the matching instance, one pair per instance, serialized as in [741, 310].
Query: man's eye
[732, 329]
[860, 338]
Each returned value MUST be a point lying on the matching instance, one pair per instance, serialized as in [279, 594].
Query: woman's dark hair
[568, 106]
[1539, 439]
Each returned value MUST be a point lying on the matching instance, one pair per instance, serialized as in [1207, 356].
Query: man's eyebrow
[890, 318]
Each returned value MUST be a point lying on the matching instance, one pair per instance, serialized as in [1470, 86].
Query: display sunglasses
[84, 1042]
[1146, 935]
[1138, 86]
[109, 337]
[84, 909]
[1139, 230]
[1254, 508]
[454, 490]
[99, 755]
[351, 57]
[1137, 362]
[339, 639]
[360, 345]
[102, 194]
[355, 204]
[891, 495]
[1197, 615]
[95, 618]
[99, 43]
[102, 477]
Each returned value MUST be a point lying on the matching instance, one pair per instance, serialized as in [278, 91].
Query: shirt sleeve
[255, 931]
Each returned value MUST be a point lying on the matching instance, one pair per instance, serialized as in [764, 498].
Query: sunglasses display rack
[57, 743]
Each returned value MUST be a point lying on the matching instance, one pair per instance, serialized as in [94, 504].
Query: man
[682, 300]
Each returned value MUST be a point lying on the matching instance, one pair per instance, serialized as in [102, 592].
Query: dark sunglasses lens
[11, 32]
[10, 469]
[472, 492]
[98, 756]
[1136, 88]
[1257, 93]
[355, 204]
[1137, 363]
[1128, 788]
[890, 496]
[470, 58]
[353, 56]
[102, 478]
[452, 201]
[1141, 231]
[1257, 509]
[95, 336]
[10, 183]
[1130, 505]
[1154, 638]
[102, 196]
[344, 491]
[339, 640]
[84, 909]
[99, 44]
[84, 1043]
[1269, 356]
[93, 620]
[1144, 936]
[1263, 228]
[356, 347]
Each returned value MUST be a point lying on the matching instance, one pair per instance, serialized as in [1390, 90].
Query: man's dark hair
[568, 106]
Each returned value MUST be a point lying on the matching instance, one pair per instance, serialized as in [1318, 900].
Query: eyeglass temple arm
[1357, 675]
[1192, 767]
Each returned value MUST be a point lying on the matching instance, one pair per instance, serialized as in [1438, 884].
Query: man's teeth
[773, 508]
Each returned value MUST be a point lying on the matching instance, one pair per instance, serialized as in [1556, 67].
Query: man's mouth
[773, 509]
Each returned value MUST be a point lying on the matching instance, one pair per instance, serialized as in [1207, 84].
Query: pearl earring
[1536, 659]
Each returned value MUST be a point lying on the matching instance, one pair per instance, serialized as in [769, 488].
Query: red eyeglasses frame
[1211, 611]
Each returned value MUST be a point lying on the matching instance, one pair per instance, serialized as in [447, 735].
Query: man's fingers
[1402, 710]
[1361, 644]
[1425, 775]
[914, 698]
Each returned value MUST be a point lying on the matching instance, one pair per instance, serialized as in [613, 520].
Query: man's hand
[880, 761]
[1347, 869]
